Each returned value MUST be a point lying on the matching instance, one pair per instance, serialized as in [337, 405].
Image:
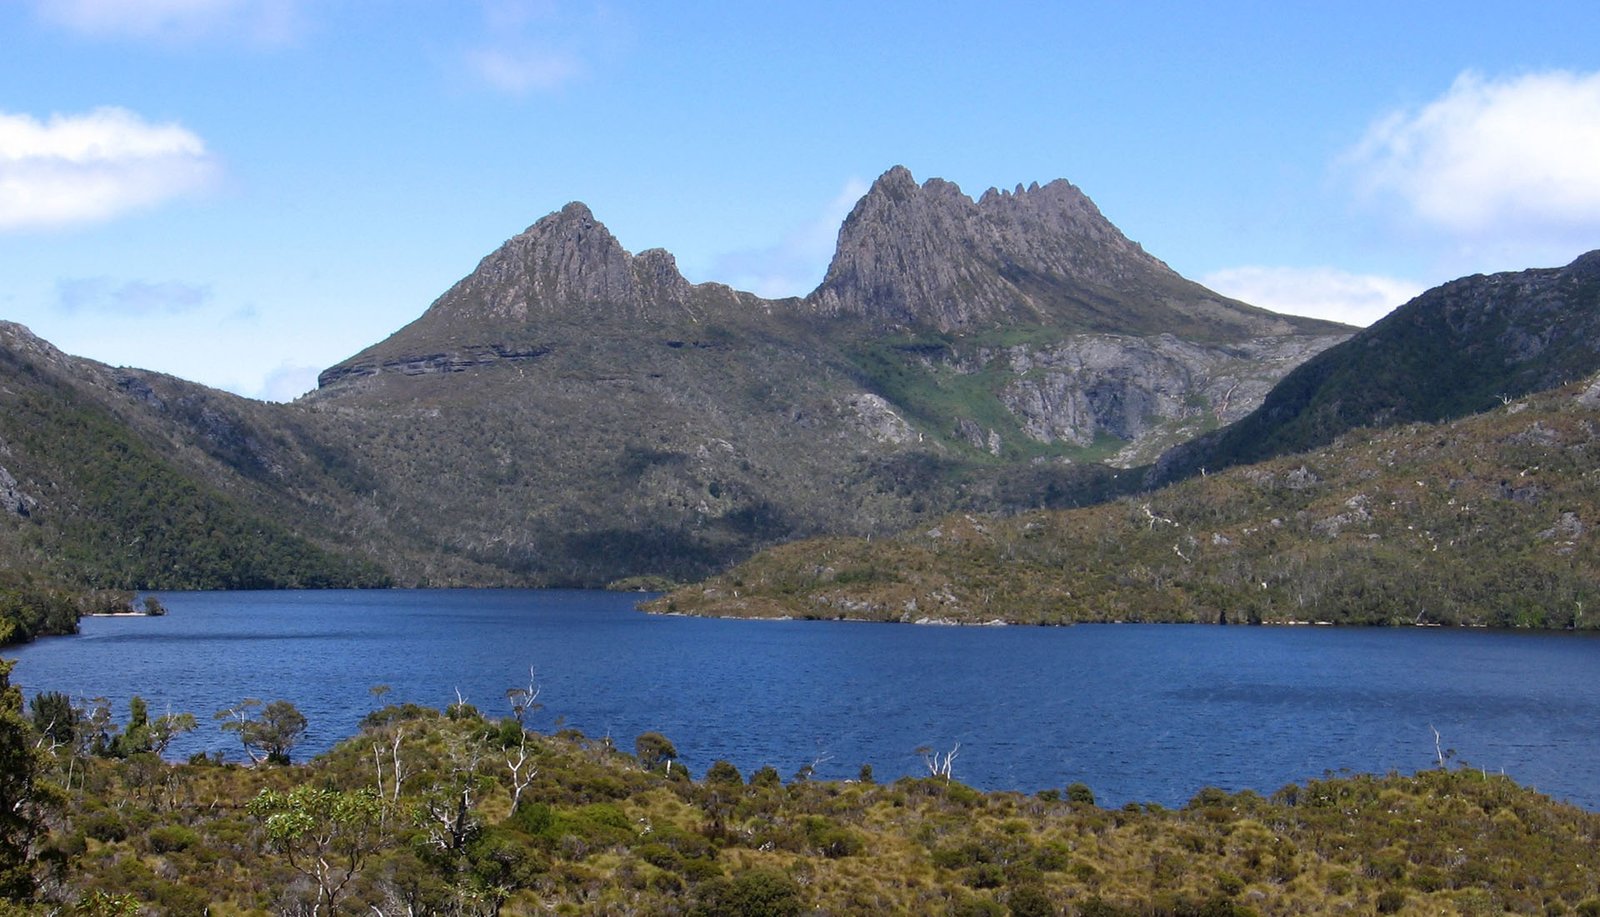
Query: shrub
[1030, 901]
[506, 858]
[1391, 900]
[832, 840]
[660, 855]
[1052, 857]
[723, 773]
[106, 826]
[976, 907]
[532, 818]
[172, 838]
[654, 750]
[754, 893]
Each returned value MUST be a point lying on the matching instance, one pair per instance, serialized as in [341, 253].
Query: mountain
[119, 479]
[1484, 520]
[1457, 349]
[571, 413]
[929, 257]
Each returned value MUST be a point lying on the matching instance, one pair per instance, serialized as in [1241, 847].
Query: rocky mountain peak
[566, 263]
[566, 270]
[928, 255]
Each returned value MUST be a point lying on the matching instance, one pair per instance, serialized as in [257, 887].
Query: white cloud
[259, 21]
[287, 382]
[1517, 155]
[523, 69]
[1318, 292]
[89, 168]
[796, 264]
[134, 298]
[540, 45]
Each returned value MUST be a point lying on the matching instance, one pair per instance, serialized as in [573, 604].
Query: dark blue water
[1138, 712]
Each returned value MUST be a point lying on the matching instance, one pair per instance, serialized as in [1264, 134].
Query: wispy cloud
[796, 264]
[524, 69]
[286, 383]
[129, 298]
[268, 22]
[88, 168]
[1318, 292]
[1493, 156]
[540, 45]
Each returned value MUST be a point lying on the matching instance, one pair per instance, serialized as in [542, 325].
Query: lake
[1147, 713]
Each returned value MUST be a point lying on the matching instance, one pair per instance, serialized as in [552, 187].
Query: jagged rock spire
[567, 261]
[929, 256]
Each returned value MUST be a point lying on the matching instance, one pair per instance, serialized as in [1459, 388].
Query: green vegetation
[121, 513]
[1458, 349]
[1482, 521]
[432, 813]
[33, 606]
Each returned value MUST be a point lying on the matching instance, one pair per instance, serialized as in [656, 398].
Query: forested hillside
[1483, 521]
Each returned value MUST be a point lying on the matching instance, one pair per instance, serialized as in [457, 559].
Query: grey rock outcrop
[12, 499]
[928, 256]
[567, 261]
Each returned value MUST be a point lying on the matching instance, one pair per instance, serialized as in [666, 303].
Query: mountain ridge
[910, 258]
[1456, 349]
[571, 414]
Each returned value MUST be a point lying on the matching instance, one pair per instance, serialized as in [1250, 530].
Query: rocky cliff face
[928, 256]
[1145, 393]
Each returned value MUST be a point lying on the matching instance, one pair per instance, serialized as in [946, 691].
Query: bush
[506, 858]
[976, 907]
[1052, 857]
[754, 893]
[832, 840]
[172, 838]
[723, 773]
[654, 750]
[106, 826]
[1391, 900]
[533, 818]
[1030, 901]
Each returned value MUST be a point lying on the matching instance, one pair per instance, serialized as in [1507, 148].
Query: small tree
[55, 717]
[135, 738]
[524, 700]
[654, 750]
[270, 736]
[938, 765]
[167, 727]
[326, 835]
[725, 774]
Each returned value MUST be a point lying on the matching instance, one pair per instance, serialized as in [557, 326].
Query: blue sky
[243, 192]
